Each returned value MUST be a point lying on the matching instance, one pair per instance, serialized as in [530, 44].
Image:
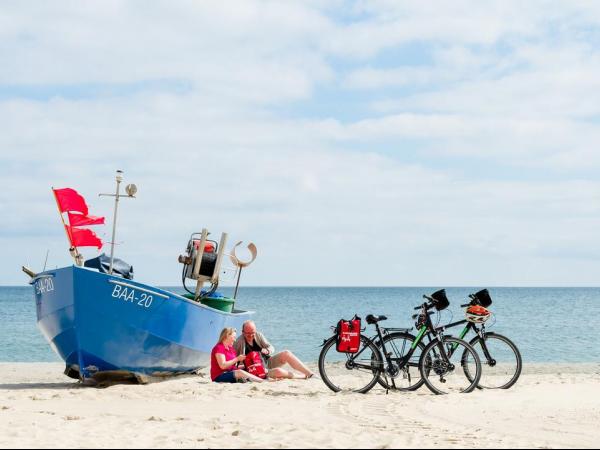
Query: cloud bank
[356, 143]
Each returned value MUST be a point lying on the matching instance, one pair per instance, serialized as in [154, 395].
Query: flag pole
[72, 250]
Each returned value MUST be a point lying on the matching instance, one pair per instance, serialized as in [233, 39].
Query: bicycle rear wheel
[350, 372]
[501, 361]
[448, 374]
[405, 378]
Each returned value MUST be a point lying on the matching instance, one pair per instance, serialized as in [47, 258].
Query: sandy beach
[551, 406]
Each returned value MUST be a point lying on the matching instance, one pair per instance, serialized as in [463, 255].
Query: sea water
[549, 325]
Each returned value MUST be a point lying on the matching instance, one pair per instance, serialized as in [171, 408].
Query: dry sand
[551, 406]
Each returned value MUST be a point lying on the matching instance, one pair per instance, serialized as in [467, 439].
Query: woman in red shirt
[224, 361]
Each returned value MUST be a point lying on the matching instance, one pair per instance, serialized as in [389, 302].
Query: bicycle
[361, 371]
[500, 358]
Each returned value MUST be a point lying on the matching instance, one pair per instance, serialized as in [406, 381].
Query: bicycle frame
[470, 326]
[480, 332]
[427, 329]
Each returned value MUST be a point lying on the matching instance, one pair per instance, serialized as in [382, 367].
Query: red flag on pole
[79, 220]
[69, 200]
[82, 237]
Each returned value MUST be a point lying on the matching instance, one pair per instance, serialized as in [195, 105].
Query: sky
[365, 143]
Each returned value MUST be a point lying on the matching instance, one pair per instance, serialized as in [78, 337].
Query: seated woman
[224, 360]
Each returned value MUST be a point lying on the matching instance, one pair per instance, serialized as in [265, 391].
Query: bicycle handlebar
[427, 306]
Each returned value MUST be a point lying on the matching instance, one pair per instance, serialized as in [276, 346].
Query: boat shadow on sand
[68, 385]
[100, 380]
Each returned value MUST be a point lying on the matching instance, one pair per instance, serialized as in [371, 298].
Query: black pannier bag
[440, 300]
[348, 335]
[483, 297]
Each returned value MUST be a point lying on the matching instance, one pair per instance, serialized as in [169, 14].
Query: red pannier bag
[348, 335]
[254, 365]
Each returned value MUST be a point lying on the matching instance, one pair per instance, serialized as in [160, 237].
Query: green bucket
[220, 303]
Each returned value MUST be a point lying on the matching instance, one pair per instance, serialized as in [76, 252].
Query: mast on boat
[131, 190]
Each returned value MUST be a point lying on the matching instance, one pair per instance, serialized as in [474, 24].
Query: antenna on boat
[131, 190]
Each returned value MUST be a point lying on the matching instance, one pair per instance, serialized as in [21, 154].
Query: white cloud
[329, 201]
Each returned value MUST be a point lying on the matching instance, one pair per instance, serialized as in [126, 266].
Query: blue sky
[356, 143]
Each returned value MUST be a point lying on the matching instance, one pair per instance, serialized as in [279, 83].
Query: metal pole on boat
[200, 279]
[237, 284]
[131, 190]
[217, 272]
[114, 231]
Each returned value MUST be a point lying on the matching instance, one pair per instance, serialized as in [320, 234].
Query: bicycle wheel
[407, 378]
[350, 372]
[502, 364]
[445, 376]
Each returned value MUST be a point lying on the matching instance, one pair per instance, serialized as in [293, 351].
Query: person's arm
[239, 346]
[224, 365]
[264, 344]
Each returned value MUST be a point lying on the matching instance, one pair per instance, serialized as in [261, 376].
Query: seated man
[254, 341]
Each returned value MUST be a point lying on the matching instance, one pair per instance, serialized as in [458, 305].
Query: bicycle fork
[481, 334]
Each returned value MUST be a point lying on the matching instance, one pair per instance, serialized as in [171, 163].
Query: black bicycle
[440, 366]
[500, 358]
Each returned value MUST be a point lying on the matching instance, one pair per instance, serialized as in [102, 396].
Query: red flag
[82, 237]
[69, 200]
[79, 220]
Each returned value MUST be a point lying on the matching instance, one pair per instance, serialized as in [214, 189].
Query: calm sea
[547, 324]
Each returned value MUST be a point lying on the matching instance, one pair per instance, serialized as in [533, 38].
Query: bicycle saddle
[371, 319]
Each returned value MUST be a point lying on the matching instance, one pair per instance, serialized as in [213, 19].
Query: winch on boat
[202, 263]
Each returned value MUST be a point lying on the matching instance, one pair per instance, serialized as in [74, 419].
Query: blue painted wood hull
[96, 322]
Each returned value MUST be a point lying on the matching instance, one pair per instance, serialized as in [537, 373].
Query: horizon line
[369, 286]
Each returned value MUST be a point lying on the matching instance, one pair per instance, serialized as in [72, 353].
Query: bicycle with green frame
[500, 358]
[441, 368]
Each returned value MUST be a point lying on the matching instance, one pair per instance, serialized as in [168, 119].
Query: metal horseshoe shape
[235, 260]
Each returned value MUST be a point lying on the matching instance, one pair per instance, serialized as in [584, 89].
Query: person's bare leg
[279, 373]
[243, 375]
[287, 357]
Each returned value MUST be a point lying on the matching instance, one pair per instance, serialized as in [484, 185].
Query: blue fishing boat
[99, 320]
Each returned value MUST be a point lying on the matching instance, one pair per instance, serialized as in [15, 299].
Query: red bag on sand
[348, 335]
[254, 365]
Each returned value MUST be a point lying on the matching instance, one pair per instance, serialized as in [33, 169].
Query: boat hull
[96, 322]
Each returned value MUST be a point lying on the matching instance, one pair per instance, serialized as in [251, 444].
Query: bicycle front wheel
[350, 372]
[501, 361]
[450, 366]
